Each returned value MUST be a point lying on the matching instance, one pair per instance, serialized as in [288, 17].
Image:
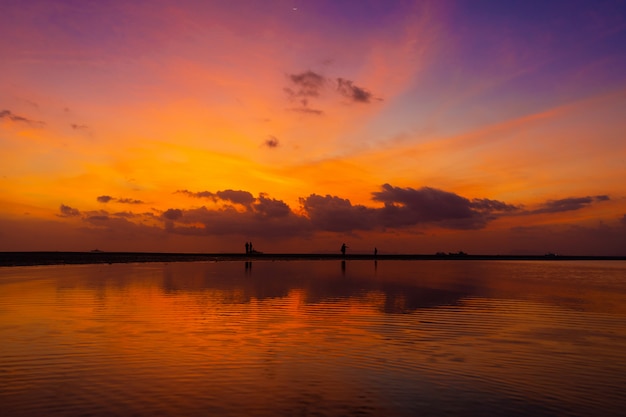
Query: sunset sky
[491, 127]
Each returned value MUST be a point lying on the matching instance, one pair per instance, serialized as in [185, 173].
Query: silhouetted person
[251, 250]
[375, 252]
[247, 248]
[343, 249]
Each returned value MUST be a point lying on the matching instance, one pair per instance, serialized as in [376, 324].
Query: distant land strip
[98, 257]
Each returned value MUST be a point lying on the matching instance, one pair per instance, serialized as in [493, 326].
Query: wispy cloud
[8, 115]
[357, 94]
[129, 201]
[235, 196]
[568, 204]
[306, 84]
[107, 198]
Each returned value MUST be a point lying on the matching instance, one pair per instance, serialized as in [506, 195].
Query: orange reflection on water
[289, 337]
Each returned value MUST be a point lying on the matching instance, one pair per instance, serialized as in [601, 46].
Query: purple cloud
[357, 94]
[407, 207]
[306, 84]
[268, 207]
[310, 85]
[335, 214]
[243, 214]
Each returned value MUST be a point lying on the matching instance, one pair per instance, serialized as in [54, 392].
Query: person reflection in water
[343, 249]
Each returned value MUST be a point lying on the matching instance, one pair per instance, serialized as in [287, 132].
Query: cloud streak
[568, 204]
[107, 198]
[8, 115]
[234, 196]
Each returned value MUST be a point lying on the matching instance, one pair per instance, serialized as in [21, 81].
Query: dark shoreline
[77, 258]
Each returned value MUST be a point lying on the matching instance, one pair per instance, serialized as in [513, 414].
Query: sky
[483, 126]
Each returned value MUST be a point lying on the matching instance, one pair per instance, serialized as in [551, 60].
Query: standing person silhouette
[247, 248]
[343, 249]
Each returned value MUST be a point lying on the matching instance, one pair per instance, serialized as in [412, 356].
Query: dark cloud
[351, 91]
[485, 204]
[623, 220]
[234, 196]
[128, 201]
[200, 194]
[268, 207]
[7, 114]
[67, 211]
[238, 212]
[104, 198]
[172, 214]
[271, 142]
[332, 213]
[268, 218]
[306, 84]
[568, 204]
[408, 206]
[79, 127]
[309, 85]
[108, 198]
[403, 208]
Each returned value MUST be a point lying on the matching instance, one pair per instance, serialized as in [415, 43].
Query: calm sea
[314, 338]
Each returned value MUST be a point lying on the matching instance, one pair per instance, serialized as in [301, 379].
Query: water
[314, 338]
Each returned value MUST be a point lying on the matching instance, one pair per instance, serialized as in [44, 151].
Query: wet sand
[72, 258]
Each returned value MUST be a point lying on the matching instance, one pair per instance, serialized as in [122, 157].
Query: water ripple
[205, 339]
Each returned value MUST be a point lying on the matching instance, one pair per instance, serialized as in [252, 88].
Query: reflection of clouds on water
[479, 338]
[319, 282]
[396, 286]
